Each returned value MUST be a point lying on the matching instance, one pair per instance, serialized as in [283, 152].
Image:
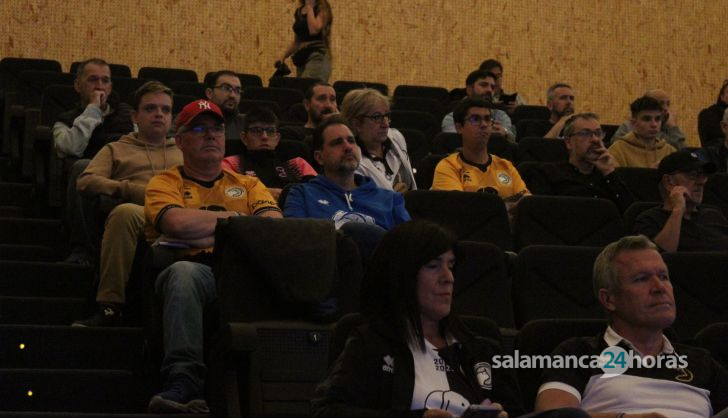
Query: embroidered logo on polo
[447, 400]
[483, 373]
[323, 202]
[235, 192]
[388, 365]
[504, 178]
[466, 177]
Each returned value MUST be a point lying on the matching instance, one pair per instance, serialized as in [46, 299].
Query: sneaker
[181, 395]
[79, 255]
[105, 316]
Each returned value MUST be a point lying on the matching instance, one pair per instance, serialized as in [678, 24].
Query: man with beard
[560, 101]
[224, 89]
[338, 193]
[481, 85]
[320, 102]
[259, 159]
[590, 170]
[681, 223]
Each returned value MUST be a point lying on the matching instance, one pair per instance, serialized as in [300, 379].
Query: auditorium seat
[449, 142]
[483, 283]
[716, 192]
[714, 338]
[410, 119]
[472, 216]
[417, 145]
[566, 220]
[540, 338]
[189, 88]
[297, 83]
[247, 104]
[283, 96]
[700, 295]
[117, 70]
[642, 182]
[344, 86]
[530, 112]
[167, 75]
[277, 316]
[428, 92]
[541, 149]
[419, 104]
[425, 170]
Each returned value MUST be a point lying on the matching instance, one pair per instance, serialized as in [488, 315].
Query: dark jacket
[363, 384]
[709, 124]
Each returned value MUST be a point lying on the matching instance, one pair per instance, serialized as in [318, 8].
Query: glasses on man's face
[227, 88]
[476, 120]
[379, 117]
[588, 134]
[207, 129]
[258, 130]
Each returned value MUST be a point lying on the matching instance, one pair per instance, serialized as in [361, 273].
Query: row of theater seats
[276, 339]
[538, 219]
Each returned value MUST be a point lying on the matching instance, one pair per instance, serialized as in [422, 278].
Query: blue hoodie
[322, 198]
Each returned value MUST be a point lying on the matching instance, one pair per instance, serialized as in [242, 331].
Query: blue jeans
[186, 289]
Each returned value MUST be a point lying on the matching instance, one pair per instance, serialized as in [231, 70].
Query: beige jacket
[122, 169]
[630, 151]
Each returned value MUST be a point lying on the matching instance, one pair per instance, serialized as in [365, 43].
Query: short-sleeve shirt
[694, 391]
[706, 230]
[456, 173]
[229, 192]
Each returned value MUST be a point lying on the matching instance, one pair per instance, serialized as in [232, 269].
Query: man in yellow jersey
[182, 206]
[473, 169]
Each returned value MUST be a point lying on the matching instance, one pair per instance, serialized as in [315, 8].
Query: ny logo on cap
[204, 104]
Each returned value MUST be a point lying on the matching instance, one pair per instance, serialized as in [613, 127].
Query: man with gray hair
[681, 223]
[718, 154]
[560, 102]
[590, 170]
[631, 281]
[669, 130]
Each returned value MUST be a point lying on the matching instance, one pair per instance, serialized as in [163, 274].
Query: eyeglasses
[258, 130]
[227, 88]
[203, 129]
[587, 134]
[379, 117]
[476, 120]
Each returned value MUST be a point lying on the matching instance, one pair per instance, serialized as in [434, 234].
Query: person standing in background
[310, 49]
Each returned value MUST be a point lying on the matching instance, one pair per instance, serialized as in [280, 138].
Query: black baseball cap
[685, 162]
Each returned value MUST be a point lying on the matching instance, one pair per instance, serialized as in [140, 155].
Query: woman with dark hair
[710, 117]
[412, 357]
[310, 50]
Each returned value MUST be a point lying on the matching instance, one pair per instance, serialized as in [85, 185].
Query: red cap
[195, 109]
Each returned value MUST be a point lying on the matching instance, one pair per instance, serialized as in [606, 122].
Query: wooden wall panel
[611, 52]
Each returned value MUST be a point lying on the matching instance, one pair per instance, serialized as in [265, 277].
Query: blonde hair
[360, 102]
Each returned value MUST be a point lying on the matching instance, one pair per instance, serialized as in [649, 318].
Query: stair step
[32, 231]
[38, 279]
[38, 414]
[35, 346]
[41, 311]
[18, 252]
[114, 391]
[16, 194]
[11, 211]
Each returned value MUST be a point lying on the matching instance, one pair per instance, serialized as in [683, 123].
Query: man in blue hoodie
[352, 201]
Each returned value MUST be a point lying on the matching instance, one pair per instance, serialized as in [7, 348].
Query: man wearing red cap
[182, 206]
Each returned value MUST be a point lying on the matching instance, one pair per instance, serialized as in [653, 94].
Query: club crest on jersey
[388, 365]
[504, 178]
[235, 192]
[483, 373]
